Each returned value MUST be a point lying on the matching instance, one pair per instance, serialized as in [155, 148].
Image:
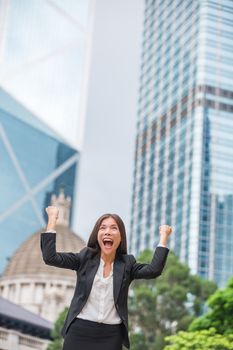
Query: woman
[98, 314]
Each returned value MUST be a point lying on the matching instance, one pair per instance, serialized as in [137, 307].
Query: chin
[108, 251]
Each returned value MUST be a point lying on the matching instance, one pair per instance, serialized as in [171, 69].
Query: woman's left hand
[164, 231]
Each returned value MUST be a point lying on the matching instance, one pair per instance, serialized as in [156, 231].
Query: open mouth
[107, 242]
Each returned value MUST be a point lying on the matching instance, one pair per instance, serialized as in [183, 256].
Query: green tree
[166, 305]
[57, 342]
[200, 340]
[220, 314]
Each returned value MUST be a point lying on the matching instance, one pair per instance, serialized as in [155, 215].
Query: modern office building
[184, 145]
[44, 69]
[45, 58]
[34, 163]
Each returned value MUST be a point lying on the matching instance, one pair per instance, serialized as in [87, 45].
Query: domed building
[30, 283]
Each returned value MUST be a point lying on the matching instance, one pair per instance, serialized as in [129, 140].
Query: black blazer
[86, 263]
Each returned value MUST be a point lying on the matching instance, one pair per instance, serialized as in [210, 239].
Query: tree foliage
[220, 314]
[166, 305]
[57, 342]
[200, 340]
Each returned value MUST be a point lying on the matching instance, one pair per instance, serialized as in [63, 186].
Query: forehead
[109, 221]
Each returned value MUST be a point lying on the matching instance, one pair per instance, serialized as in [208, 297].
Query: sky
[106, 168]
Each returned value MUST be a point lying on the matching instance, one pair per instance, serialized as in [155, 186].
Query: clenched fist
[165, 231]
[52, 212]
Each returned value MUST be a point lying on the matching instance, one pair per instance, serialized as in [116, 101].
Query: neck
[108, 259]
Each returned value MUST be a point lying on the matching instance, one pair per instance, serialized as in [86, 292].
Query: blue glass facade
[35, 163]
[45, 60]
[184, 153]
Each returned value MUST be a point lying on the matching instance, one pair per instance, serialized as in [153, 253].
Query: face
[109, 236]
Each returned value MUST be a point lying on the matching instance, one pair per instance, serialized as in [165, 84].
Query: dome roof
[27, 260]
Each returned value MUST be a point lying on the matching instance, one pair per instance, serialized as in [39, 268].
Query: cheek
[99, 239]
[118, 240]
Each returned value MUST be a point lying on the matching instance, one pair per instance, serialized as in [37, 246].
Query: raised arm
[48, 245]
[155, 268]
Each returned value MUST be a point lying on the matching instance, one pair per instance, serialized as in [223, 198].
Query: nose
[107, 231]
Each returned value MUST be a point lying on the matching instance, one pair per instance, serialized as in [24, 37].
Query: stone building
[21, 329]
[27, 281]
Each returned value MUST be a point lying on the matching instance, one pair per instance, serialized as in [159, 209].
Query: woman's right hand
[52, 212]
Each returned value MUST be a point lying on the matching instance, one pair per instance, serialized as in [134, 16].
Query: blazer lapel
[92, 267]
[118, 273]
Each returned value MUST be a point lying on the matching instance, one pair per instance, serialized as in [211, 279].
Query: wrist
[50, 228]
[163, 241]
[51, 223]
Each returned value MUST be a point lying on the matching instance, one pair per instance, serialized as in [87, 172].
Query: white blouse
[100, 305]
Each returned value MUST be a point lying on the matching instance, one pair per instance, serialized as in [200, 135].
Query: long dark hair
[93, 241]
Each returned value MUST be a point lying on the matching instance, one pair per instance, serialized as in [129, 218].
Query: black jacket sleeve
[152, 270]
[53, 258]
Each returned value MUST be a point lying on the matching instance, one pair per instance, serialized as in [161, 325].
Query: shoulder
[87, 252]
[128, 258]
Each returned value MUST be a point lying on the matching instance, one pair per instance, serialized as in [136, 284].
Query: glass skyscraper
[44, 67]
[45, 58]
[34, 164]
[184, 145]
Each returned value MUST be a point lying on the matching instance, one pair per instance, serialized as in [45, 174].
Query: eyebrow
[113, 225]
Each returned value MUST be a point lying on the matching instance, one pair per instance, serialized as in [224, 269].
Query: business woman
[98, 314]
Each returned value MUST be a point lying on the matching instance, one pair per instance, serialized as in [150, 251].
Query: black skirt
[88, 335]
